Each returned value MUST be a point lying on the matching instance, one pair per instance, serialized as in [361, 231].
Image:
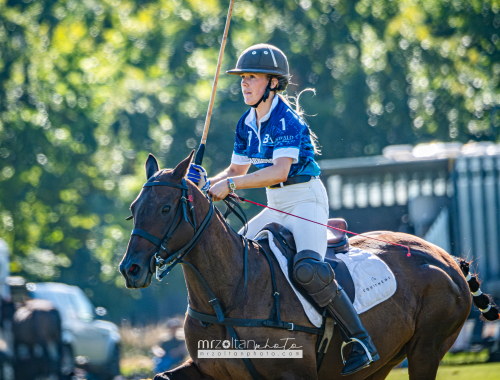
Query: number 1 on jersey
[283, 122]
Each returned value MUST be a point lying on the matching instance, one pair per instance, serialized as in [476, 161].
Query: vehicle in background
[93, 342]
[6, 315]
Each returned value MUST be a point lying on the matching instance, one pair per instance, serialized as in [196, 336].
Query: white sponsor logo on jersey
[257, 161]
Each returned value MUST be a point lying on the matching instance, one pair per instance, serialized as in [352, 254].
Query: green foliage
[486, 371]
[88, 88]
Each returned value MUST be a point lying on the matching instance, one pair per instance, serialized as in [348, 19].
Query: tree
[87, 89]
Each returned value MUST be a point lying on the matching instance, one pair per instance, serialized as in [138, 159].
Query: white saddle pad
[374, 282]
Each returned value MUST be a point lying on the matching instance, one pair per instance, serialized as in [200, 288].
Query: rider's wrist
[231, 185]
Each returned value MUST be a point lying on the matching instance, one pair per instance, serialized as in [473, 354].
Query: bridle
[181, 213]
[221, 316]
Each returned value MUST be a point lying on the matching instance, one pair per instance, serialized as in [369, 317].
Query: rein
[234, 207]
[240, 199]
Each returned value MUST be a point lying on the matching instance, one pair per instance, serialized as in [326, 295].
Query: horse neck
[218, 257]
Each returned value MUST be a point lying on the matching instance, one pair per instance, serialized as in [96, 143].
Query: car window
[84, 308]
[66, 305]
[62, 301]
[73, 305]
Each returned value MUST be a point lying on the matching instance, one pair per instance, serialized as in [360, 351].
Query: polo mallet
[201, 150]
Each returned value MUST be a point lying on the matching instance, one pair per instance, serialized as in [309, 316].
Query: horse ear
[151, 166]
[181, 170]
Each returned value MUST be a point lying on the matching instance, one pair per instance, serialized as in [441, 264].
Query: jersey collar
[251, 119]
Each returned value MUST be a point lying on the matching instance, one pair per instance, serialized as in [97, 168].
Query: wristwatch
[231, 185]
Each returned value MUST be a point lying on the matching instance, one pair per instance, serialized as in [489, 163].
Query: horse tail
[480, 300]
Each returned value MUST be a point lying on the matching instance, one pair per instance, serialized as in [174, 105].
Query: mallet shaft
[201, 150]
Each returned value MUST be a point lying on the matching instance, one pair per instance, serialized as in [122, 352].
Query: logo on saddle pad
[376, 283]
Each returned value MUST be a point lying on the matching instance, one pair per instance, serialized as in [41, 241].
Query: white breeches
[308, 200]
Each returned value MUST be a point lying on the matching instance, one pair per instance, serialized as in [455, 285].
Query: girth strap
[220, 317]
[324, 341]
[245, 322]
[248, 363]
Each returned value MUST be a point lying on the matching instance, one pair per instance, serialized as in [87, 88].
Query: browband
[169, 184]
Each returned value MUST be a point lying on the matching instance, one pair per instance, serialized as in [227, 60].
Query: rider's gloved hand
[198, 175]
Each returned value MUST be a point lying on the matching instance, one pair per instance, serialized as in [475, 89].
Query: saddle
[337, 244]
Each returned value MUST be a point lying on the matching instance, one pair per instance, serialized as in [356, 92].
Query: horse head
[155, 211]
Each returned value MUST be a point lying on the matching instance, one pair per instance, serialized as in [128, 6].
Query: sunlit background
[89, 88]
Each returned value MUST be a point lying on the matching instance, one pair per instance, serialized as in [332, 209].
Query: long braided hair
[293, 103]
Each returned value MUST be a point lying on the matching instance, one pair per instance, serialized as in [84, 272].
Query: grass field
[136, 362]
[484, 371]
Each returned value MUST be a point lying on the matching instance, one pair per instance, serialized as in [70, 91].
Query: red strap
[321, 224]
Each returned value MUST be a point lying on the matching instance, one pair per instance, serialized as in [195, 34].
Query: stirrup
[353, 340]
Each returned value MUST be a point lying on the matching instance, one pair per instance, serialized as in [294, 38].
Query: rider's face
[253, 86]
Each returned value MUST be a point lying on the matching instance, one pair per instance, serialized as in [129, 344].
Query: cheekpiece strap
[147, 236]
[266, 94]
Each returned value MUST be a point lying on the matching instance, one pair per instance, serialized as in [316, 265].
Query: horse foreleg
[186, 371]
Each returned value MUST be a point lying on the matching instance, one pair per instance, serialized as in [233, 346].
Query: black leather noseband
[161, 264]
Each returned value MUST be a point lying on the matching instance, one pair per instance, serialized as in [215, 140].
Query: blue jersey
[282, 133]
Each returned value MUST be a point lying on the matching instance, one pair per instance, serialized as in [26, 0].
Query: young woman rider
[273, 137]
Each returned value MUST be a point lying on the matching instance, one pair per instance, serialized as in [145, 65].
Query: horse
[419, 322]
[37, 334]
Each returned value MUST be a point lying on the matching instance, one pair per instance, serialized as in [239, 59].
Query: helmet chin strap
[266, 94]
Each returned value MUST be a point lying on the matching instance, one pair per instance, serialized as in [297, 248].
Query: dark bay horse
[419, 322]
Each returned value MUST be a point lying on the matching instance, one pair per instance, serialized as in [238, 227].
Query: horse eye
[165, 209]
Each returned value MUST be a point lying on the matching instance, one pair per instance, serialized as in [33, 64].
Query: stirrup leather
[353, 340]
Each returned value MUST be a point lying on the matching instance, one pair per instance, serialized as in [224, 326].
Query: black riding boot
[318, 279]
[342, 310]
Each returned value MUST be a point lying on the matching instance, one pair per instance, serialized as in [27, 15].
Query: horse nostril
[134, 269]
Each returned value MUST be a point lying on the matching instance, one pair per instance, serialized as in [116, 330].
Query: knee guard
[315, 276]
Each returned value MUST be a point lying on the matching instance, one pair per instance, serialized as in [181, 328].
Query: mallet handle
[201, 150]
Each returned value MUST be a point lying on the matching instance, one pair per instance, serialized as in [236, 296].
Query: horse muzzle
[135, 275]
